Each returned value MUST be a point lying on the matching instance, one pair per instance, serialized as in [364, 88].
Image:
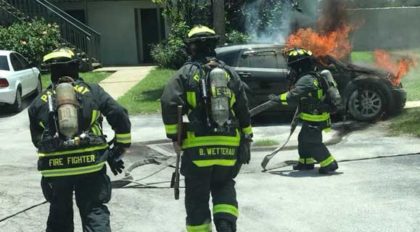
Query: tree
[219, 19]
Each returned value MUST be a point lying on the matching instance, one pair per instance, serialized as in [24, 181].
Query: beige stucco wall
[115, 21]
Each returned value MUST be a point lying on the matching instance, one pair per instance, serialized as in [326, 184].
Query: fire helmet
[300, 61]
[63, 62]
[201, 41]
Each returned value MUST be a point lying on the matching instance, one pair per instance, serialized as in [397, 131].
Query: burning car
[369, 93]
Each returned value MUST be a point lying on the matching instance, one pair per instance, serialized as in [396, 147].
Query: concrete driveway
[376, 189]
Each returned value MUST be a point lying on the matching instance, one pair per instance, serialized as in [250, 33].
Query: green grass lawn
[406, 123]
[90, 77]
[362, 57]
[145, 96]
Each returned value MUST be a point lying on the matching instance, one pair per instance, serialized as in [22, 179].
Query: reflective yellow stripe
[42, 125]
[73, 171]
[83, 150]
[314, 117]
[125, 141]
[171, 129]
[95, 116]
[247, 130]
[123, 138]
[196, 77]
[232, 100]
[191, 99]
[307, 161]
[199, 228]
[327, 161]
[320, 93]
[219, 162]
[96, 130]
[225, 208]
[283, 99]
[192, 141]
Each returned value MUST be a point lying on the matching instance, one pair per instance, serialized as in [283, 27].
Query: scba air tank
[220, 95]
[67, 110]
[332, 91]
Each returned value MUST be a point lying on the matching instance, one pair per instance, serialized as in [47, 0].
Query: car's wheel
[17, 105]
[366, 103]
[38, 87]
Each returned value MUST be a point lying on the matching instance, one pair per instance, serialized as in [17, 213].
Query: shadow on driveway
[6, 111]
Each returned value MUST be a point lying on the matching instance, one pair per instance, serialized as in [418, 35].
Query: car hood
[358, 69]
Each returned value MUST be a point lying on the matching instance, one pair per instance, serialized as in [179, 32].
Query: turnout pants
[200, 182]
[92, 192]
[311, 148]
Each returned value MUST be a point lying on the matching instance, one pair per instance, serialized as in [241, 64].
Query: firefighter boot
[302, 167]
[330, 168]
[225, 226]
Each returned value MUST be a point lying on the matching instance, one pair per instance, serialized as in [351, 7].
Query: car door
[264, 71]
[20, 74]
[30, 74]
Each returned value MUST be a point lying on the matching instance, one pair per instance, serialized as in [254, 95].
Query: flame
[399, 68]
[334, 43]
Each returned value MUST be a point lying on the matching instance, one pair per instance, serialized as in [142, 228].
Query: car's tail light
[3, 83]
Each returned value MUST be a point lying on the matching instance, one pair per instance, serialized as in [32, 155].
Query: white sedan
[18, 79]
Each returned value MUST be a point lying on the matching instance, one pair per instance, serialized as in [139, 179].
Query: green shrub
[171, 53]
[236, 37]
[31, 39]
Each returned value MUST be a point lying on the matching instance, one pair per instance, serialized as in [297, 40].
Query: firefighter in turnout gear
[66, 128]
[216, 139]
[314, 113]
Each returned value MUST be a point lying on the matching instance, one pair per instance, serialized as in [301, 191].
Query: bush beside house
[31, 39]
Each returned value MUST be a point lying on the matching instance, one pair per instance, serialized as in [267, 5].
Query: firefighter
[213, 98]
[314, 111]
[66, 128]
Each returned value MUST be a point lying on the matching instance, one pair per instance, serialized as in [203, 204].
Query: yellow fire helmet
[297, 54]
[60, 56]
[201, 33]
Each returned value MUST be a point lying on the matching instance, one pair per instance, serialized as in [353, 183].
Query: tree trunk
[219, 19]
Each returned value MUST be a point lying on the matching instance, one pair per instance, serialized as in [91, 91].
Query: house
[127, 28]
[113, 32]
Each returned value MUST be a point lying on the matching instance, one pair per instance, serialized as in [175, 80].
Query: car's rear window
[4, 65]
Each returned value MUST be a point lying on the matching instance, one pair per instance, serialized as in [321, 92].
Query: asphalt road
[376, 189]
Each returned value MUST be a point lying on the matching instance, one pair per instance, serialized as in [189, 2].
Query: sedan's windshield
[4, 65]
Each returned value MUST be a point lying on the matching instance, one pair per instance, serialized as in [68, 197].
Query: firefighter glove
[244, 151]
[115, 161]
